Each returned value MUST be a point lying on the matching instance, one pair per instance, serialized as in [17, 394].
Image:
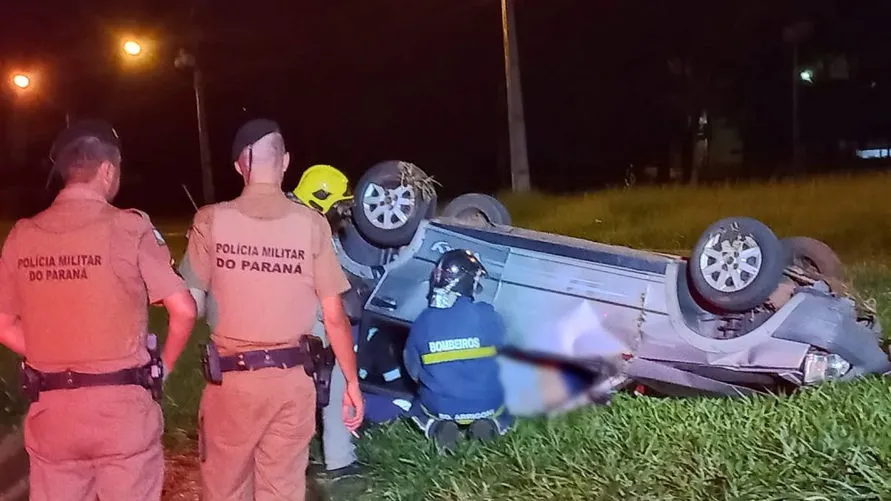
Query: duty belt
[35, 382]
[283, 358]
[316, 359]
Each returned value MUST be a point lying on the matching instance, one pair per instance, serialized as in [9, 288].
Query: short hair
[79, 160]
[268, 151]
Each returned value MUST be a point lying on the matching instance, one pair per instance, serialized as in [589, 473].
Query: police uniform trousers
[89, 442]
[254, 435]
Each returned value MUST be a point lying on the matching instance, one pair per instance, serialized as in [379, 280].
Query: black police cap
[99, 129]
[250, 133]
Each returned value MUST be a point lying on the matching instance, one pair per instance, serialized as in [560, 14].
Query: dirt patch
[182, 478]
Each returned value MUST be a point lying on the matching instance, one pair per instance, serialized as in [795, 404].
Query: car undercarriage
[747, 312]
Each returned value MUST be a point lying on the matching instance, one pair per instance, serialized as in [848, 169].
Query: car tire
[737, 264]
[473, 204]
[815, 257]
[384, 227]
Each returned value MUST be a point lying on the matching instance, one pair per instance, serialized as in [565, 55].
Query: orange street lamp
[132, 48]
[21, 80]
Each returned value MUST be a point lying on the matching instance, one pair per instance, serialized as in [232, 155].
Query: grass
[825, 443]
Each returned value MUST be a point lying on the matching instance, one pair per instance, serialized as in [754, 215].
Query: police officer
[451, 351]
[268, 263]
[324, 188]
[75, 283]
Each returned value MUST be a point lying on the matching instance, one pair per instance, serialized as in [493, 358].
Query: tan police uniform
[266, 261]
[83, 273]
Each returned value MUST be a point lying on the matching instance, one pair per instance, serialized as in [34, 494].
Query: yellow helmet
[322, 186]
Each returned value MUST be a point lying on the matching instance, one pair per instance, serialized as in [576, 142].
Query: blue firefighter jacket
[451, 354]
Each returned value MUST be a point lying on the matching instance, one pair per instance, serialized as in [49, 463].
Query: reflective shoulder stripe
[455, 355]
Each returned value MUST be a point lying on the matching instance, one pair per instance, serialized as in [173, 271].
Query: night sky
[354, 82]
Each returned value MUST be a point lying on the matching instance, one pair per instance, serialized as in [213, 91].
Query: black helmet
[457, 273]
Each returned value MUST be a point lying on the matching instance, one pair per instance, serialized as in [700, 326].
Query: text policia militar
[62, 267]
[248, 257]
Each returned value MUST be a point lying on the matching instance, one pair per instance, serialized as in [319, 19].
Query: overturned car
[746, 312]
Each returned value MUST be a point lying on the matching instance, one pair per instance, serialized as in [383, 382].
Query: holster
[210, 363]
[319, 366]
[30, 382]
[155, 368]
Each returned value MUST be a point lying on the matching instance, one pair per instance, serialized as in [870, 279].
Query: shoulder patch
[159, 238]
[140, 213]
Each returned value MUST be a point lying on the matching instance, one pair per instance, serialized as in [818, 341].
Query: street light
[807, 76]
[185, 60]
[21, 80]
[795, 34]
[21, 83]
[132, 48]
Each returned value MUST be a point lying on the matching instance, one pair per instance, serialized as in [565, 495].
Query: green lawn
[827, 443]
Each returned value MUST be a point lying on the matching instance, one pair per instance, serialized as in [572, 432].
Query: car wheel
[816, 258]
[737, 263]
[391, 202]
[471, 206]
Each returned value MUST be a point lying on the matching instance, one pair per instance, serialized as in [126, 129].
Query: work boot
[350, 470]
[445, 434]
[483, 430]
[346, 483]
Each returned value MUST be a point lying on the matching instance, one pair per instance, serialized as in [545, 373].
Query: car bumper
[830, 325]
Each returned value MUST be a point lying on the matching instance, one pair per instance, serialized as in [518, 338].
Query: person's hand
[353, 407]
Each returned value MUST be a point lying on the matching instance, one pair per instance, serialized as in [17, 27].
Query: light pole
[185, 59]
[794, 34]
[22, 84]
[519, 158]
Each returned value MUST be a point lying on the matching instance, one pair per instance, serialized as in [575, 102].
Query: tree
[714, 51]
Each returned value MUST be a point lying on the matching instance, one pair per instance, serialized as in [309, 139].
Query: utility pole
[203, 140]
[794, 34]
[519, 158]
[186, 60]
[796, 123]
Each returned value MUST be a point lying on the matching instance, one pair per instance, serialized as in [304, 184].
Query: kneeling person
[451, 351]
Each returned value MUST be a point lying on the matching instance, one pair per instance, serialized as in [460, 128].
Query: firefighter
[450, 352]
[321, 187]
[324, 188]
[75, 282]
